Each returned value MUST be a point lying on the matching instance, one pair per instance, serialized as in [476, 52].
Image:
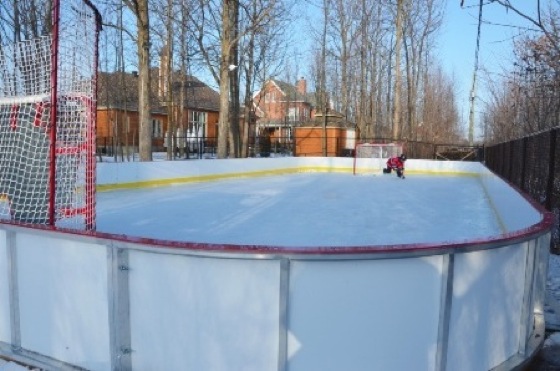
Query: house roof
[197, 95]
[120, 90]
[290, 92]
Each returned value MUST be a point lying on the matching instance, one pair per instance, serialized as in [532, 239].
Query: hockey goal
[47, 121]
[371, 157]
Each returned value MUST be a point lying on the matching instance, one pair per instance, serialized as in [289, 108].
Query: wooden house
[193, 112]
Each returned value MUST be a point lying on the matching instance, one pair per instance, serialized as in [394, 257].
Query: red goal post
[47, 121]
[370, 157]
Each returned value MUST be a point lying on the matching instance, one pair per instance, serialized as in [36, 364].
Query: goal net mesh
[47, 122]
[371, 157]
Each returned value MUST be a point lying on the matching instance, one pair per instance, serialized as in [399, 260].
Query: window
[270, 97]
[197, 122]
[157, 128]
[293, 113]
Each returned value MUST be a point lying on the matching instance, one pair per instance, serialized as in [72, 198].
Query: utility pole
[472, 96]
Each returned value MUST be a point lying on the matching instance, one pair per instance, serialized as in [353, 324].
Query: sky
[457, 45]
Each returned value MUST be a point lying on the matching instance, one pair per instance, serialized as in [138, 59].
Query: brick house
[280, 106]
[195, 112]
[287, 114]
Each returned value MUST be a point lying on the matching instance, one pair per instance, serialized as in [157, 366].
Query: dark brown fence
[533, 165]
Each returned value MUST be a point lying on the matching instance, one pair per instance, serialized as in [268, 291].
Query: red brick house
[280, 106]
[287, 114]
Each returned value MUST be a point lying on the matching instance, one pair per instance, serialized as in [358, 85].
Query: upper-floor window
[269, 97]
[293, 113]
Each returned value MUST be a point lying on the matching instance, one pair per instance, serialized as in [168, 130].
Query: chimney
[301, 86]
[163, 71]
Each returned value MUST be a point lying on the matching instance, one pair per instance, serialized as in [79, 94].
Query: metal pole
[54, 99]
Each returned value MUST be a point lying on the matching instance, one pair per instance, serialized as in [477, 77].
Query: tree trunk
[171, 131]
[397, 67]
[225, 58]
[143, 43]
[234, 134]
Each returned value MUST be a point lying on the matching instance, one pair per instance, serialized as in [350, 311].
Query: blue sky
[457, 43]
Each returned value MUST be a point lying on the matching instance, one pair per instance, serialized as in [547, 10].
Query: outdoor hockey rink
[277, 264]
[312, 209]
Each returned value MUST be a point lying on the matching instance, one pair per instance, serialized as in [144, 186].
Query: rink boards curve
[104, 301]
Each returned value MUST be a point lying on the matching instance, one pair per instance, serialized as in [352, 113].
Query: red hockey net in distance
[371, 157]
[47, 122]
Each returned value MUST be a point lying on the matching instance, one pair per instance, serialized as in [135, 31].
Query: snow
[315, 210]
[12, 366]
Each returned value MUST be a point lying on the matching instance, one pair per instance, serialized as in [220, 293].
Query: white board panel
[191, 313]
[485, 318]
[360, 315]
[5, 324]
[63, 296]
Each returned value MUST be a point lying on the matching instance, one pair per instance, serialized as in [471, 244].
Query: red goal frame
[48, 121]
[376, 150]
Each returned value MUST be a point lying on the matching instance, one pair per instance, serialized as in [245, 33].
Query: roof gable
[120, 90]
[288, 91]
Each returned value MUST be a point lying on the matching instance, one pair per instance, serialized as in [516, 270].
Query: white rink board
[63, 299]
[5, 321]
[324, 310]
[218, 313]
[487, 300]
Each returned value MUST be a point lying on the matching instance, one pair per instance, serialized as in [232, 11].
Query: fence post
[551, 158]
[510, 160]
[523, 162]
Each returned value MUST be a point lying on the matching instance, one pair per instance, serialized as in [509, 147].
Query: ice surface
[305, 210]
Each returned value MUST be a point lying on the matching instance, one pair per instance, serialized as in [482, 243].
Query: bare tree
[526, 99]
[397, 70]
[24, 19]
[140, 9]
[547, 23]
[440, 114]
[423, 19]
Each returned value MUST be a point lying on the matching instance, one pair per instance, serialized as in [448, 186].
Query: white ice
[305, 210]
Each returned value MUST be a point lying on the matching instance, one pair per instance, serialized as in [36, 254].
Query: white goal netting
[47, 122]
[371, 157]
